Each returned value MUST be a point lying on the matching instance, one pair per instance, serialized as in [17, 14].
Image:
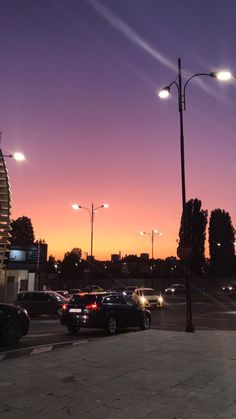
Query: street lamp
[17, 156]
[153, 234]
[181, 90]
[91, 212]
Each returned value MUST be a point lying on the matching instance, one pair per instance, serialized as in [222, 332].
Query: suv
[14, 323]
[147, 297]
[106, 311]
[41, 302]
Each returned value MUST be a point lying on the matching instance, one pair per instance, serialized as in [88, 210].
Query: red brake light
[64, 307]
[93, 306]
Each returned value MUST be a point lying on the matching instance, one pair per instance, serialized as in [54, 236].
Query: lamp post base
[189, 329]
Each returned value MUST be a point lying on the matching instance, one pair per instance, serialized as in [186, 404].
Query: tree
[221, 243]
[70, 266]
[53, 265]
[196, 222]
[22, 232]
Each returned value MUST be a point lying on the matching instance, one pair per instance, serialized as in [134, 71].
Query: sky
[78, 96]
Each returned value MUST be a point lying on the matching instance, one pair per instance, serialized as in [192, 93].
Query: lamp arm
[100, 206]
[87, 209]
[187, 82]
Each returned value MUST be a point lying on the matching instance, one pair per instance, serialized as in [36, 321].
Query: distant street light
[91, 212]
[164, 93]
[153, 234]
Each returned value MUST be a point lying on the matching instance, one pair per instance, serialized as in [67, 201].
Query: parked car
[74, 291]
[64, 293]
[14, 323]
[130, 289]
[148, 297]
[106, 311]
[41, 302]
[93, 288]
[116, 289]
[175, 289]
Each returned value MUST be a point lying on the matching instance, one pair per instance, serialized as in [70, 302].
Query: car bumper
[81, 320]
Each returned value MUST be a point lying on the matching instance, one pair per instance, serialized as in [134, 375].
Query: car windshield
[149, 292]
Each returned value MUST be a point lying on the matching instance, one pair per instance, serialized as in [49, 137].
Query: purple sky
[78, 96]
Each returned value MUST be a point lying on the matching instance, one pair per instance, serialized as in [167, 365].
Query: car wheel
[12, 332]
[112, 325]
[146, 323]
[73, 330]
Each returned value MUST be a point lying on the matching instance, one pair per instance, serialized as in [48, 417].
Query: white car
[148, 298]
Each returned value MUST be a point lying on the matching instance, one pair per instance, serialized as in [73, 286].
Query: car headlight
[160, 299]
[143, 300]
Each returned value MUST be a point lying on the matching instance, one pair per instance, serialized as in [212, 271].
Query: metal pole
[181, 97]
[92, 221]
[152, 242]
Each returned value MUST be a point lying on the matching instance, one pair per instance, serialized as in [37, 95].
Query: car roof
[176, 285]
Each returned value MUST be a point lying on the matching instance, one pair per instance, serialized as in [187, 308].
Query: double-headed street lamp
[153, 234]
[181, 90]
[91, 212]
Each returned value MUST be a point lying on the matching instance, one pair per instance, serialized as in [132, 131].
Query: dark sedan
[41, 302]
[106, 311]
[14, 323]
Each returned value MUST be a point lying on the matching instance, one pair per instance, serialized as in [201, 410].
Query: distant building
[115, 257]
[144, 256]
[25, 270]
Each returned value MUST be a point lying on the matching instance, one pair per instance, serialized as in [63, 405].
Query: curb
[35, 350]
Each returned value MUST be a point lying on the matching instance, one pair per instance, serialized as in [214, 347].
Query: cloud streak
[122, 27]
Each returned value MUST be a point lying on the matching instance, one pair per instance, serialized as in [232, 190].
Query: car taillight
[64, 307]
[93, 306]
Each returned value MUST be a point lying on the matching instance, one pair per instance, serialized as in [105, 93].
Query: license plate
[75, 310]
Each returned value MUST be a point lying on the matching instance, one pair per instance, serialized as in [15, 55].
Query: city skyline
[79, 97]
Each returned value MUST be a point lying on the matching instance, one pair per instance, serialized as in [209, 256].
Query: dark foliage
[22, 232]
[195, 235]
[221, 244]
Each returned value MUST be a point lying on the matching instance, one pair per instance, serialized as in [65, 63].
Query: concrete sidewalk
[151, 374]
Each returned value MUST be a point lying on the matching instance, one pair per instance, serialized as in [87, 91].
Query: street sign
[184, 252]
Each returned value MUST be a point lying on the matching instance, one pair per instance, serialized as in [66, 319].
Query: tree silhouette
[70, 265]
[22, 233]
[195, 235]
[221, 243]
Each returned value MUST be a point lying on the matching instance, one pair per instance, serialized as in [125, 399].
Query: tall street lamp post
[91, 212]
[153, 234]
[185, 246]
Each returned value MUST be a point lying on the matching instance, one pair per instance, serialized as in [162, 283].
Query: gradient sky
[78, 83]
